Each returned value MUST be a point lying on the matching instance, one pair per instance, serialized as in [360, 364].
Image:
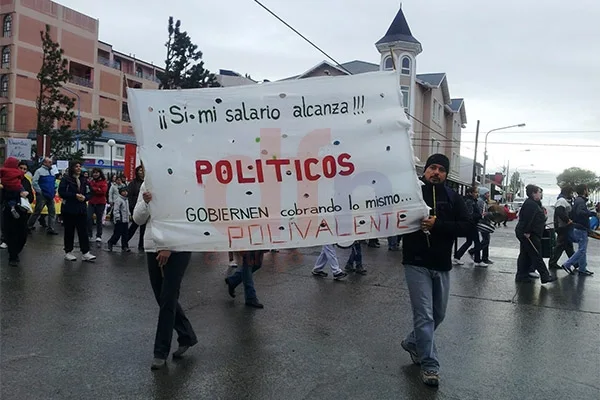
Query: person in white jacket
[166, 269]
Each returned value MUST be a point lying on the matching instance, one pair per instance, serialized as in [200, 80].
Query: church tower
[400, 48]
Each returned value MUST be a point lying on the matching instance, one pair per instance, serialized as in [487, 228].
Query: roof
[458, 106]
[434, 80]
[352, 67]
[399, 31]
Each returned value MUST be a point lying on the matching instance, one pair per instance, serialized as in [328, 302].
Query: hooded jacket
[452, 220]
[11, 176]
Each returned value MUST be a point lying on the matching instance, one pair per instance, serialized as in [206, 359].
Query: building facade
[437, 119]
[100, 74]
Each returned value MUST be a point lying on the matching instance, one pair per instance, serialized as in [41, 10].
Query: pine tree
[55, 109]
[184, 68]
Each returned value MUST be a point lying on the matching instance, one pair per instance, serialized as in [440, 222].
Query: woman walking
[97, 203]
[529, 231]
[251, 262]
[166, 269]
[75, 191]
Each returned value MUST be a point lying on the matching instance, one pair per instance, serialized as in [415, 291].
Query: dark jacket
[452, 221]
[473, 209]
[562, 210]
[580, 213]
[68, 190]
[532, 219]
[133, 191]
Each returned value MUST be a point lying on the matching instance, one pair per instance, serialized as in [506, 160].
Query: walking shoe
[549, 279]
[456, 261]
[99, 239]
[412, 351]
[553, 266]
[180, 351]
[158, 363]
[393, 248]
[488, 262]
[349, 268]
[88, 257]
[3, 245]
[321, 274]
[109, 246]
[70, 257]
[254, 303]
[13, 263]
[569, 270]
[51, 232]
[126, 250]
[481, 265]
[534, 275]
[430, 378]
[586, 273]
[339, 276]
[230, 288]
[361, 270]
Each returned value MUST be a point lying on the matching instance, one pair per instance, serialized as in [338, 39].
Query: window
[117, 64]
[405, 97]
[388, 63]
[7, 26]
[4, 86]
[435, 146]
[95, 149]
[6, 57]
[436, 116]
[120, 152]
[138, 72]
[3, 119]
[405, 65]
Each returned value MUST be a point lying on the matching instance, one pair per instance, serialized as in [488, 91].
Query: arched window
[405, 65]
[388, 63]
[6, 57]
[7, 26]
[3, 118]
[4, 86]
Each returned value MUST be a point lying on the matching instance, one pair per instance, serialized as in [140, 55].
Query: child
[121, 216]
[11, 177]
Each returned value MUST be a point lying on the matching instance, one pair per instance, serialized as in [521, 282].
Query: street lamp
[111, 144]
[78, 114]
[485, 155]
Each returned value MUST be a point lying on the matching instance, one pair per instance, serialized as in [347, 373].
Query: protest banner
[18, 148]
[278, 165]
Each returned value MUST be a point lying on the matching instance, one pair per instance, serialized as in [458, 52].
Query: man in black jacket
[471, 196]
[427, 259]
[581, 222]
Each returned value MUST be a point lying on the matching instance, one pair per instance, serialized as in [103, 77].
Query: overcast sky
[513, 61]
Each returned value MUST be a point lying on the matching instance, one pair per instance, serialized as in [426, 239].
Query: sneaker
[70, 257]
[534, 275]
[361, 270]
[89, 257]
[321, 274]
[488, 262]
[412, 351]
[549, 279]
[99, 239]
[349, 268]
[3, 245]
[339, 276]
[180, 351]
[481, 265]
[569, 270]
[109, 245]
[126, 250]
[158, 363]
[553, 266]
[456, 261]
[586, 273]
[430, 378]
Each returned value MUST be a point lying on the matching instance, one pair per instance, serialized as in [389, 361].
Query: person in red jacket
[97, 203]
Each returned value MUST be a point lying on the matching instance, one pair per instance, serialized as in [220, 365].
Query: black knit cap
[438, 159]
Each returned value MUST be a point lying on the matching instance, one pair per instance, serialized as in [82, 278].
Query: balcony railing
[78, 80]
[109, 63]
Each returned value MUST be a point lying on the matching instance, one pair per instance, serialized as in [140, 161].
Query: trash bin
[548, 242]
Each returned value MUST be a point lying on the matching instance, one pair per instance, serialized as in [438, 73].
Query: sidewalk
[74, 331]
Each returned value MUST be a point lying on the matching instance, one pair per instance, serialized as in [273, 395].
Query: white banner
[278, 165]
[18, 148]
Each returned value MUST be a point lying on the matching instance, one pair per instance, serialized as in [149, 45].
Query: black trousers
[132, 228]
[14, 231]
[562, 244]
[473, 238]
[120, 232]
[77, 222]
[171, 315]
[530, 257]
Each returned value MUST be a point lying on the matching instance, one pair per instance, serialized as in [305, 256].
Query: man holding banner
[427, 259]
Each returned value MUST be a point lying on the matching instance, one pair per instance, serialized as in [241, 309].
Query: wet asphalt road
[85, 331]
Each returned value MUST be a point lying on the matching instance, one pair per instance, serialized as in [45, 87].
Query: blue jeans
[580, 237]
[250, 264]
[393, 241]
[429, 291]
[355, 254]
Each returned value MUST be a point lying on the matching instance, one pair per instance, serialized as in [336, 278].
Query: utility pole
[473, 180]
